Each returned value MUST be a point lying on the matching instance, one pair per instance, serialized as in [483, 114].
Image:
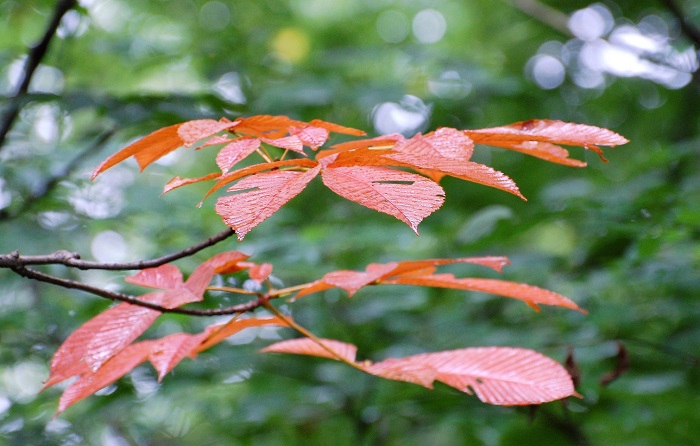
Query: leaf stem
[308, 334]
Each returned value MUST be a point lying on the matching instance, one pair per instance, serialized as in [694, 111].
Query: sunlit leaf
[257, 197]
[406, 196]
[531, 295]
[305, 346]
[236, 151]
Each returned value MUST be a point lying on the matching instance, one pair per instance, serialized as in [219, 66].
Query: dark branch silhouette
[34, 57]
[72, 259]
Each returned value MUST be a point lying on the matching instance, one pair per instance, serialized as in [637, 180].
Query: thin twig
[34, 57]
[121, 297]
[44, 189]
[72, 259]
[688, 28]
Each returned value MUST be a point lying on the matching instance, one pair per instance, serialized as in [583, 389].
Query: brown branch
[121, 297]
[34, 57]
[72, 259]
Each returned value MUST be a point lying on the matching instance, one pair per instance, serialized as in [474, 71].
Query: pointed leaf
[75, 355]
[217, 333]
[146, 150]
[179, 182]
[406, 196]
[260, 273]
[420, 153]
[260, 196]
[498, 375]
[192, 131]
[112, 370]
[257, 168]
[311, 136]
[451, 143]
[167, 352]
[336, 128]
[532, 295]
[266, 126]
[117, 328]
[349, 281]
[380, 142]
[306, 346]
[292, 143]
[164, 277]
[236, 151]
[548, 131]
[225, 262]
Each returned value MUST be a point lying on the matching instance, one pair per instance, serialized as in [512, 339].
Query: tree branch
[45, 188]
[34, 57]
[112, 295]
[72, 259]
[688, 28]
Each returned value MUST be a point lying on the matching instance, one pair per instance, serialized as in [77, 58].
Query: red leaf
[179, 182]
[116, 328]
[451, 143]
[543, 130]
[164, 277]
[311, 136]
[532, 295]
[352, 281]
[167, 352]
[292, 143]
[73, 357]
[420, 153]
[235, 151]
[406, 196]
[349, 281]
[112, 370]
[266, 126]
[146, 150]
[192, 131]
[260, 196]
[336, 128]
[257, 168]
[260, 273]
[498, 375]
[226, 262]
[217, 333]
[307, 346]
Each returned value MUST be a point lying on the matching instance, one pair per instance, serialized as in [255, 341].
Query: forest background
[621, 239]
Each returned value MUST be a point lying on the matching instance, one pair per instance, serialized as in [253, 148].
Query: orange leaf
[112, 370]
[498, 375]
[336, 128]
[307, 346]
[406, 196]
[451, 143]
[266, 126]
[257, 168]
[352, 281]
[258, 197]
[420, 153]
[179, 182]
[74, 356]
[260, 273]
[167, 352]
[532, 295]
[164, 277]
[311, 136]
[292, 143]
[235, 151]
[217, 333]
[192, 131]
[146, 150]
[544, 130]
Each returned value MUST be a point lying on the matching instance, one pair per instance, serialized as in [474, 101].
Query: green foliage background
[621, 239]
